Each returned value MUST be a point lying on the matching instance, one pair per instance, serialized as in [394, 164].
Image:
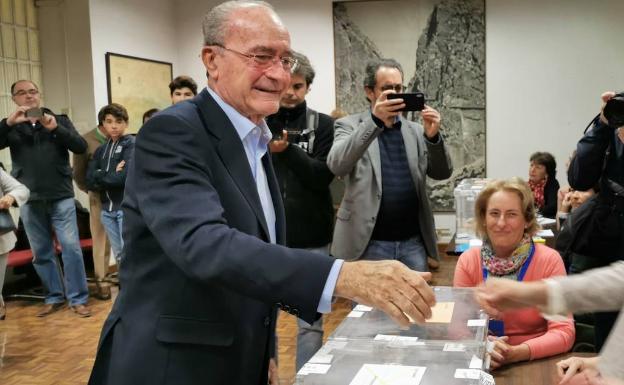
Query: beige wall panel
[33, 45]
[6, 11]
[21, 43]
[10, 72]
[23, 70]
[20, 12]
[35, 75]
[4, 88]
[8, 42]
[31, 14]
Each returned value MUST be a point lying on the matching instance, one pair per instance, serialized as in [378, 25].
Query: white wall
[66, 61]
[141, 28]
[547, 63]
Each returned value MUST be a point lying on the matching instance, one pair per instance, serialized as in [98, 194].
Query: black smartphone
[413, 101]
[35, 112]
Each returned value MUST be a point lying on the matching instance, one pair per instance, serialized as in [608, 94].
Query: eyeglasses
[30, 92]
[266, 61]
[396, 87]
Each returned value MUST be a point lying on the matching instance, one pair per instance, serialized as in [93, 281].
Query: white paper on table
[475, 242]
[476, 322]
[355, 314]
[311, 368]
[373, 374]
[399, 340]
[473, 374]
[475, 363]
[362, 308]
[546, 221]
[454, 347]
[546, 233]
[331, 345]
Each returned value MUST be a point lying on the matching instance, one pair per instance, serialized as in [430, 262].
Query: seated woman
[571, 201]
[543, 184]
[505, 219]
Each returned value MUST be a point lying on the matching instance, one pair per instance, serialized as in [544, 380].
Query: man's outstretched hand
[390, 286]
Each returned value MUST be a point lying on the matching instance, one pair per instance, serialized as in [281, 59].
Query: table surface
[538, 372]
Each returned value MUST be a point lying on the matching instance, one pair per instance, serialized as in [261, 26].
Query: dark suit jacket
[199, 283]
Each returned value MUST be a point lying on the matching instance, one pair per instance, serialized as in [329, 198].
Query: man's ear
[370, 94]
[209, 54]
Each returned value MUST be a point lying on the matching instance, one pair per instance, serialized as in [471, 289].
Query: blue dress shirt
[255, 139]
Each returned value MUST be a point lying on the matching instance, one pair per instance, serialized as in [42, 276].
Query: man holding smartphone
[384, 160]
[38, 140]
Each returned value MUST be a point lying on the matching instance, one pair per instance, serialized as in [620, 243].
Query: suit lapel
[278, 205]
[373, 152]
[232, 153]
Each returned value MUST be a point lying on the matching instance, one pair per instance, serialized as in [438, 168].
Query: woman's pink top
[544, 338]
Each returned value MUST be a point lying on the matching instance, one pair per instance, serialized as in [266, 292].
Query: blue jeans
[39, 218]
[411, 252]
[113, 222]
[309, 337]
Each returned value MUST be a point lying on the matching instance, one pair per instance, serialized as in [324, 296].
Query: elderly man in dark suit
[204, 273]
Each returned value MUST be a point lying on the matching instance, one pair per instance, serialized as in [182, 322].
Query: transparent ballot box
[359, 362]
[466, 194]
[456, 317]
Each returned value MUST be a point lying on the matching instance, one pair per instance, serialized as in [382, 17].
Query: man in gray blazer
[383, 159]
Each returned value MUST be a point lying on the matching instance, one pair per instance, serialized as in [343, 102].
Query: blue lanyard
[524, 267]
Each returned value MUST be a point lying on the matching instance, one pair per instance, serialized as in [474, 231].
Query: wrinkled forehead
[257, 28]
[24, 85]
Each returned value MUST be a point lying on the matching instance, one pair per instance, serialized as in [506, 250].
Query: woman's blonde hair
[513, 185]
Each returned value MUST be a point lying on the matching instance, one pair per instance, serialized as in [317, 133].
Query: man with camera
[38, 140]
[302, 139]
[599, 160]
[384, 159]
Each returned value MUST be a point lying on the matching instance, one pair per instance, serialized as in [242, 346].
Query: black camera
[613, 111]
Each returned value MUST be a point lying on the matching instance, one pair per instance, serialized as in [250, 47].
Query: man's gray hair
[370, 74]
[303, 68]
[215, 25]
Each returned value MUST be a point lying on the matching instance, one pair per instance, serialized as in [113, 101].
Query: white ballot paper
[373, 374]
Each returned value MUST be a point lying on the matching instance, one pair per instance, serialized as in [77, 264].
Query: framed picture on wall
[138, 84]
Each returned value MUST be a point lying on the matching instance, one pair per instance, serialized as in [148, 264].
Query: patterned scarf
[506, 267]
[538, 192]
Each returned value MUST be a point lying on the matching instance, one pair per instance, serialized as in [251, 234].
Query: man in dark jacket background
[38, 140]
[599, 159]
[302, 140]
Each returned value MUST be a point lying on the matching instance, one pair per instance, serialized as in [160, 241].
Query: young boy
[182, 88]
[106, 173]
